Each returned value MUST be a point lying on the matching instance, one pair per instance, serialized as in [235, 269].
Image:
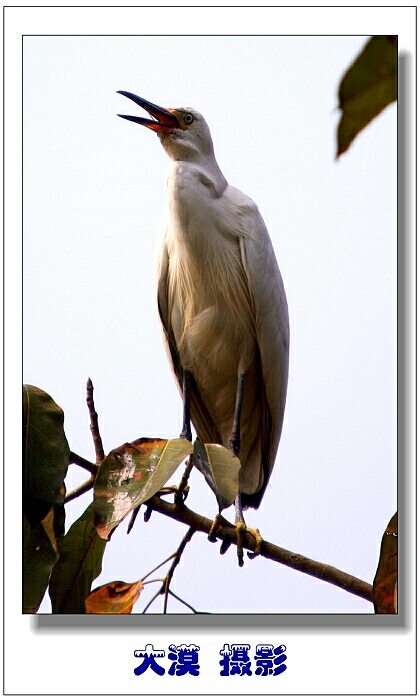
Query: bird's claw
[258, 542]
[214, 527]
[240, 529]
[226, 542]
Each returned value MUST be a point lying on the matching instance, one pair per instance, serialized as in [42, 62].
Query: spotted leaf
[130, 475]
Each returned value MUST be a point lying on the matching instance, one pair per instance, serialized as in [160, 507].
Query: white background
[93, 198]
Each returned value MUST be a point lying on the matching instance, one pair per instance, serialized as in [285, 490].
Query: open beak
[164, 120]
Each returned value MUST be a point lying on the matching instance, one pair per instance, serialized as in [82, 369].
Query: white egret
[221, 303]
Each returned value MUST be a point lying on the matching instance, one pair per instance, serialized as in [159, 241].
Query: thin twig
[184, 602]
[158, 567]
[79, 490]
[177, 558]
[82, 462]
[94, 427]
[164, 589]
[179, 493]
[152, 600]
[324, 572]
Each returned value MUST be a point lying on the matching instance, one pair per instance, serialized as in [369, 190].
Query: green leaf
[220, 469]
[39, 557]
[385, 582]
[369, 85]
[131, 474]
[80, 563]
[45, 453]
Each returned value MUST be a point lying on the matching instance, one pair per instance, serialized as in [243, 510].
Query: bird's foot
[240, 526]
[215, 526]
[258, 542]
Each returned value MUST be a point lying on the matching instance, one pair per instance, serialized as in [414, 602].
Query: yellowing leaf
[116, 598]
[385, 582]
[130, 475]
[220, 469]
[369, 85]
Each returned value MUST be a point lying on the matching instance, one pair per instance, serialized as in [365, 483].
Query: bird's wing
[271, 325]
[203, 423]
[164, 313]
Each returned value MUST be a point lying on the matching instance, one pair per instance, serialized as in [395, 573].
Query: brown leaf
[385, 582]
[116, 598]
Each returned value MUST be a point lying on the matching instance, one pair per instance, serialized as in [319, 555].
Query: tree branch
[227, 531]
[79, 490]
[82, 462]
[177, 559]
[94, 427]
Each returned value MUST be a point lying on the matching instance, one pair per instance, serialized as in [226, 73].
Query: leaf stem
[158, 567]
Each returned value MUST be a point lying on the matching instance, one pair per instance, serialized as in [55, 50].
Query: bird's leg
[235, 445]
[240, 529]
[215, 525]
[235, 436]
[186, 423]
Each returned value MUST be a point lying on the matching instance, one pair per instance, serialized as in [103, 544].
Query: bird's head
[183, 131]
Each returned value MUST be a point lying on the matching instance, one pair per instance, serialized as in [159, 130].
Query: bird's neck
[194, 188]
[203, 167]
[195, 195]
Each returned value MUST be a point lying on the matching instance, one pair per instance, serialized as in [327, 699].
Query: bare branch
[227, 531]
[180, 495]
[82, 462]
[177, 558]
[228, 534]
[79, 490]
[158, 567]
[94, 427]
[184, 602]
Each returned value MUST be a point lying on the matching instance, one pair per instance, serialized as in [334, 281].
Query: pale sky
[94, 198]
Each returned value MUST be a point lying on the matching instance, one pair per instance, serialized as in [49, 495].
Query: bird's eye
[188, 118]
